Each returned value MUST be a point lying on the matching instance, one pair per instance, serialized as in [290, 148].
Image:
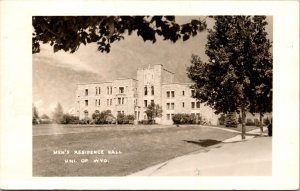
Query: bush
[256, 122]
[230, 120]
[45, 121]
[105, 117]
[125, 119]
[222, 119]
[183, 118]
[130, 119]
[69, 119]
[84, 121]
[249, 122]
[266, 121]
[146, 122]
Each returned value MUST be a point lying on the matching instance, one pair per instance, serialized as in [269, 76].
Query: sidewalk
[232, 157]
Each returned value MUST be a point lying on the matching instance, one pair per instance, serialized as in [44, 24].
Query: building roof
[105, 82]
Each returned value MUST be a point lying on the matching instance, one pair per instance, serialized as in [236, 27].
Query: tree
[44, 116]
[262, 102]
[153, 110]
[69, 32]
[239, 119]
[238, 74]
[35, 115]
[58, 114]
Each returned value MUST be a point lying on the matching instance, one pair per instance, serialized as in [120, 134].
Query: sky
[55, 75]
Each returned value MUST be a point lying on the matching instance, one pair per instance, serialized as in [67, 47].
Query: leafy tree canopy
[238, 75]
[58, 114]
[239, 70]
[153, 110]
[69, 32]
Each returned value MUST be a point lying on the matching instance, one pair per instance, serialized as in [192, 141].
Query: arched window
[146, 91]
[152, 90]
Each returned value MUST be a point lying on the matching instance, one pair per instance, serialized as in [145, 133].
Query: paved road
[233, 157]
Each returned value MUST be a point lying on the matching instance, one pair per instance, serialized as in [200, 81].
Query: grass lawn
[140, 147]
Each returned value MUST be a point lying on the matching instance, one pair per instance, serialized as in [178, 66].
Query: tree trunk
[243, 123]
[261, 124]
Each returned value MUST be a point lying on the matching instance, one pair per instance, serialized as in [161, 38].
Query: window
[198, 115]
[86, 102]
[98, 90]
[168, 94]
[122, 100]
[193, 105]
[173, 93]
[110, 102]
[107, 101]
[97, 102]
[168, 116]
[172, 105]
[198, 104]
[182, 104]
[182, 93]
[86, 92]
[145, 103]
[109, 90]
[172, 115]
[121, 90]
[152, 90]
[168, 105]
[146, 91]
[119, 101]
[193, 93]
[152, 102]
[86, 114]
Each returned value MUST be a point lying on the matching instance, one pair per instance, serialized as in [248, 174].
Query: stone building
[132, 96]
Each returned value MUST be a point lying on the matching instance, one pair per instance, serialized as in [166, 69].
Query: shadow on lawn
[204, 142]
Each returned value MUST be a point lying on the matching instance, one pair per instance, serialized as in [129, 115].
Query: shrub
[146, 122]
[250, 122]
[69, 119]
[222, 119]
[125, 119]
[266, 121]
[130, 119]
[256, 122]
[177, 118]
[105, 117]
[230, 120]
[45, 121]
[183, 118]
[110, 120]
[84, 121]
